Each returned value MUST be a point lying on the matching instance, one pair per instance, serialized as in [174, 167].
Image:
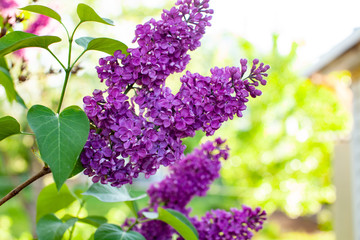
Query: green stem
[27, 133]
[70, 45]
[133, 225]
[77, 59]
[68, 69]
[67, 32]
[62, 65]
[72, 35]
[77, 215]
[67, 76]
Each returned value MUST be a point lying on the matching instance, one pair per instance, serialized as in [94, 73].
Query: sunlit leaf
[42, 10]
[19, 99]
[86, 14]
[50, 227]
[8, 126]
[106, 45]
[177, 220]
[50, 200]
[95, 221]
[17, 40]
[7, 82]
[133, 207]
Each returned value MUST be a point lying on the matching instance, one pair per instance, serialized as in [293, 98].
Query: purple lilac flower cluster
[120, 135]
[234, 225]
[163, 47]
[137, 135]
[191, 177]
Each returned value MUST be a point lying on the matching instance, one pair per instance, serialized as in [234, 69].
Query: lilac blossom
[162, 47]
[235, 224]
[124, 143]
[141, 146]
[190, 177]
[137, 135]
[203, 103]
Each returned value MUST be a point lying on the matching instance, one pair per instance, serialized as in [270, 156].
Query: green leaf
[95, 221]
[50, 227]
[110, 231]
[17, 40]
[7, 82]
[133, 207]
[3, 62]
[107, 193]
[43, 10]
[106, 45]
[19, 99]
[50, 200]
[78, 168]
[60, 138]
[8, 126]
[151, 215]
[175, 219]
[87, 14]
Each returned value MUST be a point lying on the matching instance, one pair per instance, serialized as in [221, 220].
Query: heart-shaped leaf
[60, 137]
[107, 193]
[8, 126]
[50, 227]
[8, 84]
[78, 168]
[177, 220]
[43, 10]
[106, 45]
[17, 40]
[87, 14]
[50, 200]
[110, 231]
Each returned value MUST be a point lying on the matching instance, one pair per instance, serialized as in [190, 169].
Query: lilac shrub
[133, 135]
[190, 177]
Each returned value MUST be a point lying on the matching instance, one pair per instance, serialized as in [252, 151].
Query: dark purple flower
[146, 131]
[191, 177]
[235, 224]
[162, 47]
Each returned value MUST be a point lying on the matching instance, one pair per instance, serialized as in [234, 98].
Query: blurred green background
[281, 150]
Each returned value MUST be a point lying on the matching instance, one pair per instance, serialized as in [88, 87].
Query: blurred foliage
[281, 151]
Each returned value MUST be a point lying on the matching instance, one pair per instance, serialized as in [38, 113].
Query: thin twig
[45, 170]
